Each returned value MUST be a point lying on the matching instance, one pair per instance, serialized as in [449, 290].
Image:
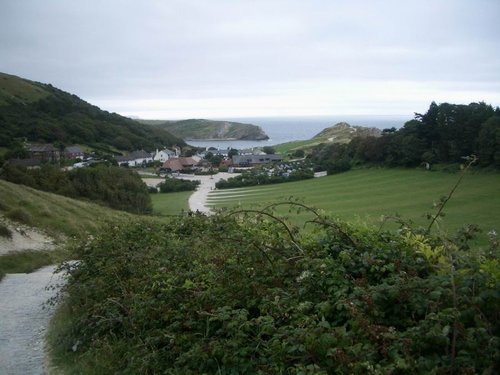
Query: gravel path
[24, 317]
[198, 200]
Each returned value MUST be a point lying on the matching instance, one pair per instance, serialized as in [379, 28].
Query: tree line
[444, 134]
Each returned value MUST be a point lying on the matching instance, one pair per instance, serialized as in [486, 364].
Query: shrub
[171, 185]
[246, 293]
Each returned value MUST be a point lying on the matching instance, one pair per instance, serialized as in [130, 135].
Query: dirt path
[198, 200]
[24, 316]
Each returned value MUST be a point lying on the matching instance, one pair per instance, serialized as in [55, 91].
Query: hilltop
[42, 113]
[341, 132]
[201, 129]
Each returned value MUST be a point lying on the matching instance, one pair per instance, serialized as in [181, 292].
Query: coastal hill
[40, 112]
[341, 132]
[200, 129]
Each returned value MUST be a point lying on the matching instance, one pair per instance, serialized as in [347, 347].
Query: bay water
[287, 129]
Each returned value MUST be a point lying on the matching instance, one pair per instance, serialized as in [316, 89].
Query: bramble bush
[245, 292]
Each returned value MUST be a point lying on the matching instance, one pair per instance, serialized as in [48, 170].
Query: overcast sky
[229, 58]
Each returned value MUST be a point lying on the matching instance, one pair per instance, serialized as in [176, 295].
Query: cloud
[220, 51]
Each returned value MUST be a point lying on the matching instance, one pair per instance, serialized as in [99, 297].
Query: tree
[488, 142]
[269, 150]
[232, 152]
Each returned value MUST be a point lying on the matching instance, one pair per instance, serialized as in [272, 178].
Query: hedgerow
[245, 292]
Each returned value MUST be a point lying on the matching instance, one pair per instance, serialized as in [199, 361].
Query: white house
[135, 159]
[164, 155]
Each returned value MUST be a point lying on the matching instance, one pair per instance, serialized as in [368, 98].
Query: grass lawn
[365, 195]
[170, 203]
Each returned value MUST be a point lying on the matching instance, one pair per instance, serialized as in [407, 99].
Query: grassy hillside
[55, 214]
[341, 132]
[60, 217]
[14, 90]
[43, 113]
[194, 129]
[365, 195]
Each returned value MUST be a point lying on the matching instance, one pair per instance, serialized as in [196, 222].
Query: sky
[174, 59]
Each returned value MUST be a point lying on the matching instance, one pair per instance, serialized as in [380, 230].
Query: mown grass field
[365, 195]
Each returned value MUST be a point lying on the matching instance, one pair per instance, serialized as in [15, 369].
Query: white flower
[303, 275]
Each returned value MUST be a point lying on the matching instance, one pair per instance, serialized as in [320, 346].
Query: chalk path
[198, 200]
[24, 317]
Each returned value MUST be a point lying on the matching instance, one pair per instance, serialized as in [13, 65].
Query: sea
[287, 129]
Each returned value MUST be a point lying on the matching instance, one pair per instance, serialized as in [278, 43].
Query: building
[43, 151]
[137, 158]
[179, 164]
[164, 155]
[250, 160]
[73, 152]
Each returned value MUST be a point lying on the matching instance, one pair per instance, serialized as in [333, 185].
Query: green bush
[171, 185]
[244, 293]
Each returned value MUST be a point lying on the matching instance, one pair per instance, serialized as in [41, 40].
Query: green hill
[53, 213]
[341, 132]
[197, 129]
[42, 113]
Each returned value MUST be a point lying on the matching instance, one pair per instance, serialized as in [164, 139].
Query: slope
[341, 132]
[42, 113]
[194, 129]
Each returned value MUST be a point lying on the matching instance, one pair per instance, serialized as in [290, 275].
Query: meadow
[366, 195]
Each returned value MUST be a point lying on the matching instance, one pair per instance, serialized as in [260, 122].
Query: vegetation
[115, 187]
[366, 194]
[43, 113]
[265, 177]
[55, 214]
[245, 292]
[58, 216]
[26, 261]
[171, 185]
[5, 231]
[444, 134]
[170, 204]
[209, 129]
[340, 133]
